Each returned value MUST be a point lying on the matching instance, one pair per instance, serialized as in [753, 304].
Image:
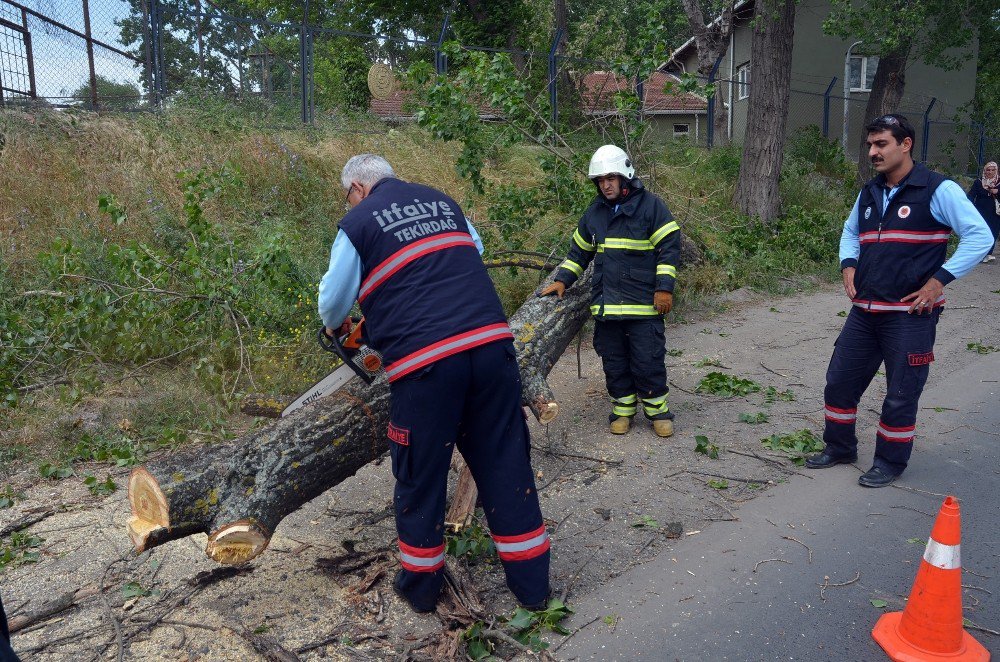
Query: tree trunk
[887, 92]
[757, 191]
[238, 492]
[711, 42]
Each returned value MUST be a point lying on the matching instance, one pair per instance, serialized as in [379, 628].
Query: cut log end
[545, 412]
[237, 543]
[150, 511]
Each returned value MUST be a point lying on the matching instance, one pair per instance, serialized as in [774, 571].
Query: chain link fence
[140, 54]
[69, 54]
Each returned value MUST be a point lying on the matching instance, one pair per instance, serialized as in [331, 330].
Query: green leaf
[879, 604]
[522, 619]
[702, 445]
[718, 383]
[134, 590]
[645, 522]
[916, 541]
[718, 484]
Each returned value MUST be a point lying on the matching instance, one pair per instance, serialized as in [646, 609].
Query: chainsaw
[357, 359]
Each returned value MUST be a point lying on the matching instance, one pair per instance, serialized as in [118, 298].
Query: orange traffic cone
[930, 626]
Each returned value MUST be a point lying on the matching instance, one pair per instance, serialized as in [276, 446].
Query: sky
[60, 57]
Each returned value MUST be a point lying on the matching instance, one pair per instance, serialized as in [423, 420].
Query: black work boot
[418, 607]
[876, 477]
[824, 460]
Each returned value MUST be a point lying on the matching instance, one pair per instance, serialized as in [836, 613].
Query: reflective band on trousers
[421, 559]
[840, 415]
[890, 433]
[408, 254]
[523, 547]
[946, 557]
[444, 348]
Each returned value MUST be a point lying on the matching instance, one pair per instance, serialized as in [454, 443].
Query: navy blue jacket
[635, 245]
[425, 293]
[903, 245]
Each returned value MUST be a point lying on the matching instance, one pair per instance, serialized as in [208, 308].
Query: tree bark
[238, 492]
[711, 42]
[887, 91]
[757, 192]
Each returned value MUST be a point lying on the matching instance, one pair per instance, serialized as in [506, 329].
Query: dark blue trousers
[633, 353]
[905, 343]
[472, 400]
[6, 652]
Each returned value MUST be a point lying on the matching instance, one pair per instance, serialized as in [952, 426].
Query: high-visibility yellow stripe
[662, 233]
[621, 243]
[581, 242]
[570, 265]
[623, 411]
[666, 270]
[653, 411]
[655, 401]
[624, 309]
[626, 399]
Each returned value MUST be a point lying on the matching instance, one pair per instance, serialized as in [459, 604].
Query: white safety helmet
[610, 159]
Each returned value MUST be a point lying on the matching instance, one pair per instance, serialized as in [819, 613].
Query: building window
[862, 72]
[682, 130]
[743, 81]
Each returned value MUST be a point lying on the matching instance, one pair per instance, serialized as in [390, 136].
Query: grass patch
[185, 248]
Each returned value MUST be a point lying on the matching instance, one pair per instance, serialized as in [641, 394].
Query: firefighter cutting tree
[406, 253]
[635, 244]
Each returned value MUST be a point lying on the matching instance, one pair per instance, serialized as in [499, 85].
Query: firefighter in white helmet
[635, 244]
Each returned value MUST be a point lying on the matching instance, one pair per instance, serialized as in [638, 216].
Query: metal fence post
[640, 91]
[553, 74]
[90, 55]
[147, 63]
[710, 132]
[440, 59]
[826, 108]
[156, 42]
[927, 130]
[981, 156]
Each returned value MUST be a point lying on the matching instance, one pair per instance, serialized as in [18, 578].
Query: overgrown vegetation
[153, 269]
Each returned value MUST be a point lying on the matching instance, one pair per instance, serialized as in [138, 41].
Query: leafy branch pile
[796, 445]
[198, 297]
[525, 627]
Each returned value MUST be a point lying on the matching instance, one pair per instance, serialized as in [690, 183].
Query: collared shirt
[340, 285]
[950, 206]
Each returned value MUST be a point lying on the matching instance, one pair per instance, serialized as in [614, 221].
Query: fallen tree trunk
[238, 492]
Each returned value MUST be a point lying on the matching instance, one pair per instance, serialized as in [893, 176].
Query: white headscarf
[987, 182]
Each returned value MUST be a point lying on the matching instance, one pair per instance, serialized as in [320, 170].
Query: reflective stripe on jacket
[635, 246]
[425, 293]
[902, 245]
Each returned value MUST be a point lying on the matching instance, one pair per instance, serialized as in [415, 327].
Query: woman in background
[983, 195]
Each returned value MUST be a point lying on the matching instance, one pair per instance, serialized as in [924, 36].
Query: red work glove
[663, 301]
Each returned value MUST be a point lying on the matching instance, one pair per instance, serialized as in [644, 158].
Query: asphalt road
[746, 591]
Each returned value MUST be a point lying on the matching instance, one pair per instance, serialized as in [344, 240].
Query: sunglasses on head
[887, 119]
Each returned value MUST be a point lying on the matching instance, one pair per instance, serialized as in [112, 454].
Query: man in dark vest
[407, 254]
[635, 244]
[892, 258]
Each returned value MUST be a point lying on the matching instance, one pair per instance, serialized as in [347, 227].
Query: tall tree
[757, 192]
[939, 32]
[711, 41]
